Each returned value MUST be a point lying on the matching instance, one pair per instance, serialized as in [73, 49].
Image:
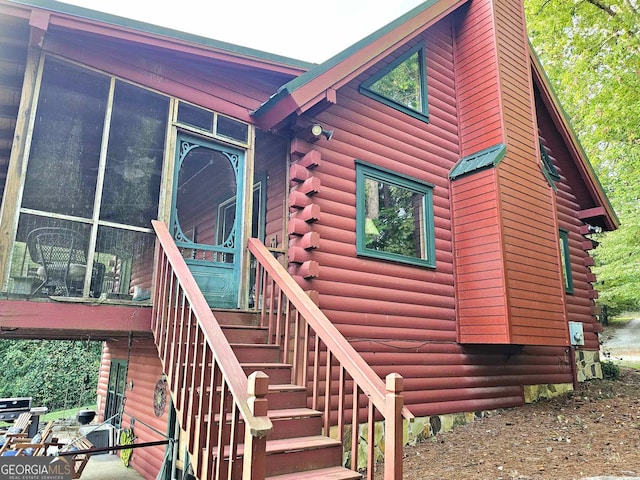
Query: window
[394, 218]
[213, 123]
[548, 168]
[402, 84]
[115, 392]
[565, 259]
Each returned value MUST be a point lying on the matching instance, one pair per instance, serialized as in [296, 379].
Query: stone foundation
[414, 432]
[533, 393]
[588, 365]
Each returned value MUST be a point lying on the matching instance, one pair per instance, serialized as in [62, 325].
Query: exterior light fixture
[318, 130]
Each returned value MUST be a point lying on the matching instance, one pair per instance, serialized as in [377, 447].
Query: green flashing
[318, 70]
[487, 158]
[108, 18]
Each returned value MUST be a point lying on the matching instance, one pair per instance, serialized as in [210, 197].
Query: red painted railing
[211, 392]
[339, 381]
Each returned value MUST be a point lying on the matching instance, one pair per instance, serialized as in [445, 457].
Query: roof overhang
[603, 213]
[319, 83]
[47, 14]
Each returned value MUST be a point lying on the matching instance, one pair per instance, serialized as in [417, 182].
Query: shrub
[610, 371]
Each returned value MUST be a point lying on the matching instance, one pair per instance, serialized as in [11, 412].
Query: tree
[590, 50]
[55, 373]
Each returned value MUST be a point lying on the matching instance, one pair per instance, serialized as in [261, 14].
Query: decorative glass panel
[65, 150]
[134, 156]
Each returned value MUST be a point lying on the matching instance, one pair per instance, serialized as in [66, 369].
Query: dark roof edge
[88, 14]
[574, 138]
[318, 70]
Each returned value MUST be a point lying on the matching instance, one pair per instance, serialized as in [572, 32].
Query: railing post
[393, 428]
[254, 465]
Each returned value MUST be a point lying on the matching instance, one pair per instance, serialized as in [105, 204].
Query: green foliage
[591, 51]
[57, 374]
[610, 371]
[403, 84]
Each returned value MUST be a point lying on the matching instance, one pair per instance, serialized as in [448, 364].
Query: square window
[394, 218]
[402, 84]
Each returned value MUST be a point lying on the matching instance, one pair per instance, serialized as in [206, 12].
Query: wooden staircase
[256, 394]
[296, 447]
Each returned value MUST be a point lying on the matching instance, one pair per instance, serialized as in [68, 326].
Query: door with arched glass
[207, 215]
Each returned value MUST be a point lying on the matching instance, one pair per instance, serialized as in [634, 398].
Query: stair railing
[210, 390]
[339, 381]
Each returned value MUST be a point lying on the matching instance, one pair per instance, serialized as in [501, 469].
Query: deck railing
[210, 390]
[338, 379]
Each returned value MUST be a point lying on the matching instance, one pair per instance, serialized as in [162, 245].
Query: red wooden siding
[270, 161]
[144, 371]
[403, 318]
[527, 243]
[537, 314]
[480, 287]
[580, 305]
[478, 97]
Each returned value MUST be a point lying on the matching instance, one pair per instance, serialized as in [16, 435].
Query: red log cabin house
[285, 259]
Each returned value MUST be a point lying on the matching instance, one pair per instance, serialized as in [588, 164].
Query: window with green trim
[394, 216]
[565, 258]
[402, 84]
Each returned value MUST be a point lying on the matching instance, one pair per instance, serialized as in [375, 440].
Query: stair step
[277, 372]
[288, 423]
[332, 473]
[245, 334]
[282, 396]
[236, 317]
[300, 454]
[254, 353]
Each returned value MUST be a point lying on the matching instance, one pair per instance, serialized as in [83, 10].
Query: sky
[301, 29]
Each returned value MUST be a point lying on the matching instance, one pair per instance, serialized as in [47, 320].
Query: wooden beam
[85, 317]
[591, 213]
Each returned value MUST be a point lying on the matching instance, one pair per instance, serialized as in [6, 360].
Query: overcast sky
[302, 29]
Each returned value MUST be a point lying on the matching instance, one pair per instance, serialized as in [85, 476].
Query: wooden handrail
[360, 371]
[229, 366]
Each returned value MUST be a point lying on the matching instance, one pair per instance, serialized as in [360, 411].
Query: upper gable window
[402, 84]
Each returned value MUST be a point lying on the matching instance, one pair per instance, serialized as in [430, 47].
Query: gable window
[394, 217]
[402, 84]
[565, 260]
[548, 168]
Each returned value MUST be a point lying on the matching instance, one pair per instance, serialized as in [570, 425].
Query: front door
[207, 215]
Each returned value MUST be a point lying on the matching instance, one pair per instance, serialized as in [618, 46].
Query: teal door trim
[215, 262]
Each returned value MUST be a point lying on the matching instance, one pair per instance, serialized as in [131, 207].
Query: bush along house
[287, 262]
